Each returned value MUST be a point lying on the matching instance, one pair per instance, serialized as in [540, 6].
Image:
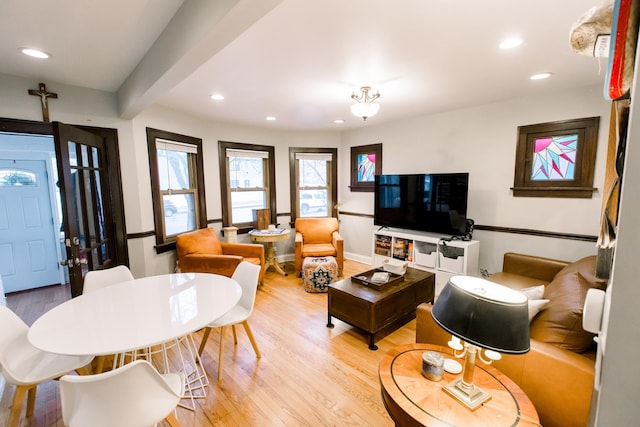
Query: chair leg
[16, 407]
[31, 401]
[253, 341]
[235, 336]
[221, 352]
[172, 420]
[207, 331]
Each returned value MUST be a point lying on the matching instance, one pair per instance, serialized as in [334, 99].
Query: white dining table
[136, 314]
[129, 318]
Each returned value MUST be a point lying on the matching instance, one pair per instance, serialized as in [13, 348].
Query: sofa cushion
[515, 281]
[534, 299]
[587, 268]
[560, 323]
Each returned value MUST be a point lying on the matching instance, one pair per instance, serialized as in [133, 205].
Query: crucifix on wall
[44, 98]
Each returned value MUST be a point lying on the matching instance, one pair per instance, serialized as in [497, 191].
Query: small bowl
[394, 268]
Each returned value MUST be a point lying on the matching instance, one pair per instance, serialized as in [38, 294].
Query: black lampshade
[484, 313]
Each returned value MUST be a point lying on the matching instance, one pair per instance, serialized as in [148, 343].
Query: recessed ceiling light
[34, 53]
[540, 76]
[217, 97]
[510, 43]
[271, 119]
[338, 121]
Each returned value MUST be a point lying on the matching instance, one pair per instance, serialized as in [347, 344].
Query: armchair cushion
[318, 237]
[201, 251]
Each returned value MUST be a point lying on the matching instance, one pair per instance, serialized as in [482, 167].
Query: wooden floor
[308, 375]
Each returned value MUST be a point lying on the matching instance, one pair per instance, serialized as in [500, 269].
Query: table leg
[272, 260]
[372, 346]
[329, 324]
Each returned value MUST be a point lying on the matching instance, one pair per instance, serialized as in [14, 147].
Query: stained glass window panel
[554, 158]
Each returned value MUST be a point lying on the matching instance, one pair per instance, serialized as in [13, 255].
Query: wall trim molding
[509, 230]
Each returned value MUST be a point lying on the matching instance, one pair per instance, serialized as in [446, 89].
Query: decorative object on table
[395, 267]
[366, 163]
[432, 365]
[368, 278]
[484, 315]
[318, 273]
[318, 237]
[365, 105]
[556, 159]
[261, 219]
[201, 251]
[230, 234]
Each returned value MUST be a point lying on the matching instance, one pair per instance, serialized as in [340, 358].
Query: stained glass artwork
[554, 158]
[366, 167]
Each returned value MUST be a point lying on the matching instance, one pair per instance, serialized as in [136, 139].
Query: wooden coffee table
[371, 309]
[413, 400]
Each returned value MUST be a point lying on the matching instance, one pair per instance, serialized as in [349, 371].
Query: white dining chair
[98, 279]
[246, 274]
[24, 366]
[134, 395]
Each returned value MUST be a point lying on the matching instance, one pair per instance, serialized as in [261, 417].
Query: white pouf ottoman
[318, 272]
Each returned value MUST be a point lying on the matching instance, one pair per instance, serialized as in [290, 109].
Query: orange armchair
[318, 237]
[201, 251]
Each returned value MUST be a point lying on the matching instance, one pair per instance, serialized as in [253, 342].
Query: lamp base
[469, 395]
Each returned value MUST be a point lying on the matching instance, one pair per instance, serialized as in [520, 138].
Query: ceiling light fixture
[510, 43]
[364, 106]
[34, 53]
[217, 97]
[271, 119]
[338, 121]
[540, 76]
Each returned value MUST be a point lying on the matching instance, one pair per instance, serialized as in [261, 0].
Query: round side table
[413, 400]
[267, 237]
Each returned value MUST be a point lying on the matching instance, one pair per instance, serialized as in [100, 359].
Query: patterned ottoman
[318, 272]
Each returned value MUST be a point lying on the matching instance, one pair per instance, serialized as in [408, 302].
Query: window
[247, 177]
[556, 159]
[313, 174]
[16, 178]
[177, 185]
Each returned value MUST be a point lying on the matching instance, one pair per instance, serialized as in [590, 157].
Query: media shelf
[428, 251]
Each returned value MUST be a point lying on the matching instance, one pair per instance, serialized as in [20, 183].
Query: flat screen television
[434, 202]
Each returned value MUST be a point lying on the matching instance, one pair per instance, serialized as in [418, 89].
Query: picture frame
[366, 162]
[556, 159]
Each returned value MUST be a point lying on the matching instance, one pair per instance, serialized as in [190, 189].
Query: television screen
[425, 202]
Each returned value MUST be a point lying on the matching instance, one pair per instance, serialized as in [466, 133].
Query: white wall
[479, 140]
[482, 141]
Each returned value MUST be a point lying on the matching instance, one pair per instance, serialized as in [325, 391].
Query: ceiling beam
[198, 30]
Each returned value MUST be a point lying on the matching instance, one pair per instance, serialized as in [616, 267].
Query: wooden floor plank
[309, 375]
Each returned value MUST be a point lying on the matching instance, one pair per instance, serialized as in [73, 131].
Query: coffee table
[413, 400]
[371, 309]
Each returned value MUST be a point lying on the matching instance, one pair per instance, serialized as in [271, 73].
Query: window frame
[166, 243]
[332, 175]
[225, 193]
[582, 184]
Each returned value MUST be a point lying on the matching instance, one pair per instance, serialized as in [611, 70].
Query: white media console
[428, 251]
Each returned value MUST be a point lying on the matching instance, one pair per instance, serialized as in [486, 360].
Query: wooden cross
[44, 95]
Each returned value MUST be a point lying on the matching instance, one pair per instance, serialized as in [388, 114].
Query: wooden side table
[269, 237]
[413, 400]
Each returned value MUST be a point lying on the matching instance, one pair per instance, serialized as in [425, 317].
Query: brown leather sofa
[557, 374]
[318, 237]
[201, 251]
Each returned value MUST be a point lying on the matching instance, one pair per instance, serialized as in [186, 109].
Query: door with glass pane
[28, 253]
[84, 187]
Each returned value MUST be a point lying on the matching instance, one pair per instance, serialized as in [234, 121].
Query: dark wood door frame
[116, 199]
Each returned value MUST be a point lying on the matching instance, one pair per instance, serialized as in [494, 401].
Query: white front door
[28, 253]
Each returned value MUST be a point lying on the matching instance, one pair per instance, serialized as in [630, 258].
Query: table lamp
[484, 315]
